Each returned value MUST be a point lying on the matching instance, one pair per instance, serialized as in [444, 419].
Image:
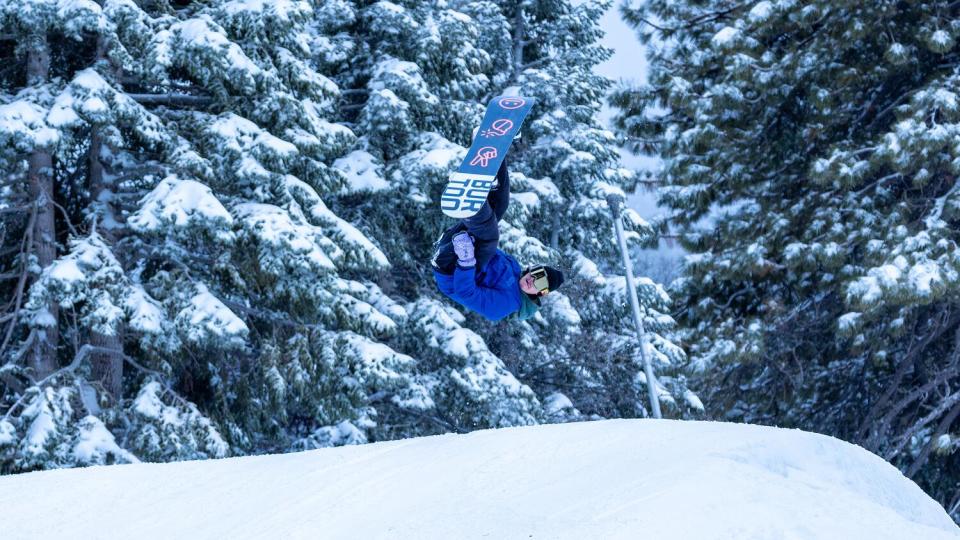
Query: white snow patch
[66, 271]
[43, 424]
[945, 99]
[23, 122]
[178, 201]
[8, 433]
[760, 12]
[923, 276]
[345, 232]
[344, 433]
[148, 401]
[437, 152]
[390, 6]
[362, 171]
[283, 10]
[144, 313]
[559, 306]
[241, 134]
[275, 225]
[202, 34]
[848, 321]
[44, 319]
[206, 313]
[693, 400]
[869, 289]
[557, 402]
[941, 39]
[95, 442]
[725, 38]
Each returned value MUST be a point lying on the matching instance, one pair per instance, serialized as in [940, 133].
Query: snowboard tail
[465, 194]
[468, 186]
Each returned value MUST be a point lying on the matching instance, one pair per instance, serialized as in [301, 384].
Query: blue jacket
[494, 292]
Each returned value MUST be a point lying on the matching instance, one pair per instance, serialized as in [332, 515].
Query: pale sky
[629, 60]
[629, 64]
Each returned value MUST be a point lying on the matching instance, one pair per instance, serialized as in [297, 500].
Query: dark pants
[483, 227]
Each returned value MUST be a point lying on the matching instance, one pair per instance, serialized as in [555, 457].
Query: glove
[463, 247]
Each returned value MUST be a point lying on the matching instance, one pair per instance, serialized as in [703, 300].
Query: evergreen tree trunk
[42, 357]
[518, 33]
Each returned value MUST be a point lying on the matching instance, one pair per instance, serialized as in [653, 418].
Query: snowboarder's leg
[499, 197]
[483, 227]
[485, 231]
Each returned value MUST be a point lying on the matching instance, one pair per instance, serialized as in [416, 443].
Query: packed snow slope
[599, 480]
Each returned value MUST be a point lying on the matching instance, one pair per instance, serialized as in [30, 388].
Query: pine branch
[127, 79]
[25, 247]
[954, 505]
[77, 360]
[15, 209]
[876, 432]
[185, 100]
[271, 316]
[695, 21]
[650, 24]
[449, 426]
[714, 15]
[934, 437]
[66, 218]
[951, 400]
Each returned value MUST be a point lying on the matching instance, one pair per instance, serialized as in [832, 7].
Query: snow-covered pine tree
[181, 160]
[219, 216]
[811, 160]
[48, 403]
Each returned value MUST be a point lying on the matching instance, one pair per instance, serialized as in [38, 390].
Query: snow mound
[632, 479]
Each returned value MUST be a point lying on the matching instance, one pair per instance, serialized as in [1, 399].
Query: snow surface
[656, 479]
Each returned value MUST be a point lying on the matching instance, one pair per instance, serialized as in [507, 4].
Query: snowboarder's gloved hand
[463, 247]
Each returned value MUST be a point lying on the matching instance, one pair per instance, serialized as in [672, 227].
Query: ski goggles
[540, 280]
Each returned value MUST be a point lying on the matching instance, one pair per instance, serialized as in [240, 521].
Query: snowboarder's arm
[494, 304]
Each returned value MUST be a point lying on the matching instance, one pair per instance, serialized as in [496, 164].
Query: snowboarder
[470, 268]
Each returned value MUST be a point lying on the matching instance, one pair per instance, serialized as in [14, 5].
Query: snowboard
[468, 186]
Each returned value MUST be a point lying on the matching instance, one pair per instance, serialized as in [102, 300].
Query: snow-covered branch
[183, 100]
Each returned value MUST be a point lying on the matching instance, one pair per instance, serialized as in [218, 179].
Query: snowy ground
[635, 479]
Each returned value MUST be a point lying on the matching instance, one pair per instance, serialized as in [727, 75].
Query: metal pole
[614, 202]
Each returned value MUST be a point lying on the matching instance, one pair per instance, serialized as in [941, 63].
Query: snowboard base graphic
[468, 186]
